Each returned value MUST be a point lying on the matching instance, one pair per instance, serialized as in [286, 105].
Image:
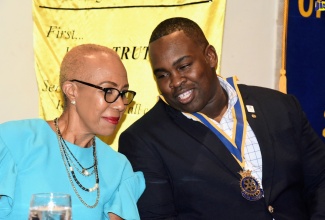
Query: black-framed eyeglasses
[111, 94]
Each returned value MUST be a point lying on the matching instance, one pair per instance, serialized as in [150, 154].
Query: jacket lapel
[208, 140]
[258, 124]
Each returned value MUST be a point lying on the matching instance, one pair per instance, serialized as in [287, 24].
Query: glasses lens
[128, 97]
[112, 95]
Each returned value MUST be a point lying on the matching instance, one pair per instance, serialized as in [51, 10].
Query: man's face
[184, 71]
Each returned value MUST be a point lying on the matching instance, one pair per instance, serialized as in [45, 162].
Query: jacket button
[270, 208]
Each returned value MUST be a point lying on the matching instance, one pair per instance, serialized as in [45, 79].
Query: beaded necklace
[64, 149]
[84, 171]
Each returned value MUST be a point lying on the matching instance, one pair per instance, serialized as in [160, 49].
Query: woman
[64, 155]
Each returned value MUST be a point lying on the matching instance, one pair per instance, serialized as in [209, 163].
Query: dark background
[306, 62]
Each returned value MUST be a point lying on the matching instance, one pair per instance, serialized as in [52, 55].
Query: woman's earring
[73, 102]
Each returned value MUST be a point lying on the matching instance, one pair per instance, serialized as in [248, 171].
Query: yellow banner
[123, 25]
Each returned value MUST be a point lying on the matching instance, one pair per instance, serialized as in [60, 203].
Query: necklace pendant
[85, 172]
[250, 187]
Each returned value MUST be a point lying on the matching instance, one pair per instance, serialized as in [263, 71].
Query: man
[212, 149]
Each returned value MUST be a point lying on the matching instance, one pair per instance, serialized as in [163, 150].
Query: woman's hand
[112, 216]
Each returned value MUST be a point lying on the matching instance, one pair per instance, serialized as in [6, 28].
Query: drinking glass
[50, 206]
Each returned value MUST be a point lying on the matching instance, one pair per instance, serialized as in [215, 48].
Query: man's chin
[188, 109]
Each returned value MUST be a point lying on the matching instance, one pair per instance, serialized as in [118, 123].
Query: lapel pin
[253, 116]
[250, 108]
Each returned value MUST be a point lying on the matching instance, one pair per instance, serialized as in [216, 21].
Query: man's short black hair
[191, 29]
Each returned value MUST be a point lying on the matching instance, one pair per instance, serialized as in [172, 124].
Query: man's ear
[70, 90]
[211, 56]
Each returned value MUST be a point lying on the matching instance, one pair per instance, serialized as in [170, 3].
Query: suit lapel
[208, 140]
[257, 122]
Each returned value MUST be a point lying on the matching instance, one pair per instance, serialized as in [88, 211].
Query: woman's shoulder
[24, 123]
[22, 131]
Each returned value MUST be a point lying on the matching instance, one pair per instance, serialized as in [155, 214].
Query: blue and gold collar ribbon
[236, 143]
[249, 185]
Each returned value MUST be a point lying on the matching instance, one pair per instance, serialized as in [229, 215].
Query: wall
[252, 42]
[18, 88]
[250, 51]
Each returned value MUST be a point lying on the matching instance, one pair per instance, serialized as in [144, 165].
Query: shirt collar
[231, 92]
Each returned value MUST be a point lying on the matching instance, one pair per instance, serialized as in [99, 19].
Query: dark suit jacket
[191, 175]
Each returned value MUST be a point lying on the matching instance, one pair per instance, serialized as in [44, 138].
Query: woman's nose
[118, 104]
